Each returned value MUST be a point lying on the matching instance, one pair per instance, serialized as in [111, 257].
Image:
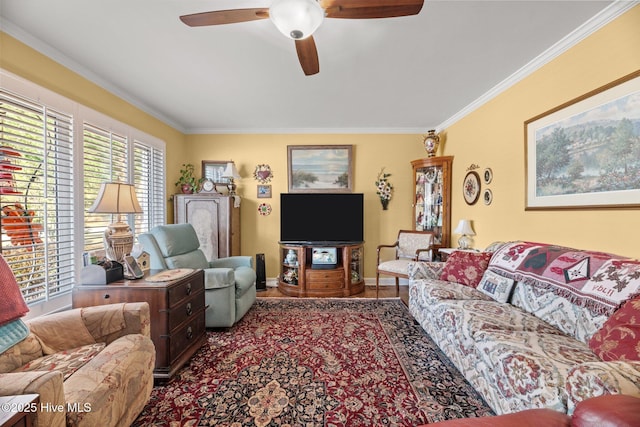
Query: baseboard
[272, 282]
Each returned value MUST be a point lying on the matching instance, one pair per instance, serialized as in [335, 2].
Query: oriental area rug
[316, 362]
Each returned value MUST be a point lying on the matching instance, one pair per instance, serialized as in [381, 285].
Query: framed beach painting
[319, 168]
[585, 154]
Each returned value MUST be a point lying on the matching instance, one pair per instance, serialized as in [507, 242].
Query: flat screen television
[324, 218]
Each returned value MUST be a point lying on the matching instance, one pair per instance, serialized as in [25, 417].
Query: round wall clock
[263, 173]
[471, 187]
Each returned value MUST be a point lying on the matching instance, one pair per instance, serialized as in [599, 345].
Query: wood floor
[369, 292]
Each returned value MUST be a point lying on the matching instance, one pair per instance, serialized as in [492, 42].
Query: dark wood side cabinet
[215, 219]
[177, 314]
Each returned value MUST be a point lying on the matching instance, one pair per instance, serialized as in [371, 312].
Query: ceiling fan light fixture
[296, 19]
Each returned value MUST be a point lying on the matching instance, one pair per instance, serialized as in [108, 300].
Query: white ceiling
[399, 75]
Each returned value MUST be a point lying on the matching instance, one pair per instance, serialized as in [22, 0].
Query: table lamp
[232, 173]
[465, 230]
[117, 198]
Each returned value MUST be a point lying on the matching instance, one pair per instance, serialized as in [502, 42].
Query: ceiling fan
[298, 19]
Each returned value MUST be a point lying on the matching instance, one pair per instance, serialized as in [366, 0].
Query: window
[45, 147]
[36, 194]
[104, 160]
[148, 167]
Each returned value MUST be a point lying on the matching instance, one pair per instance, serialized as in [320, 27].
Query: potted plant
[187, 181]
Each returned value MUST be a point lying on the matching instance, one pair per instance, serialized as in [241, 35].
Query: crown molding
[305, 131]
[608, 14]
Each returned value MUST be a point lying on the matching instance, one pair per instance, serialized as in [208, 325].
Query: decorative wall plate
[471, 187]
[487, 196]
[264, 209]
[263, 173]
[488, 175]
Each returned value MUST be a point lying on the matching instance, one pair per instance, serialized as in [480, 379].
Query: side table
[177, 313]
[17, 411]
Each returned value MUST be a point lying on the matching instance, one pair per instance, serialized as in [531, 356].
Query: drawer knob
[189, 332]
[189, 288]
[107, 296]
[189, 309]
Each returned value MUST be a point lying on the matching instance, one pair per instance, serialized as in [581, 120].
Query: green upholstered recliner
[229, 283]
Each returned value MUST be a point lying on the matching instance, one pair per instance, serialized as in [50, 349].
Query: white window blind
[105, 160]
[149, 183]
[36, 195]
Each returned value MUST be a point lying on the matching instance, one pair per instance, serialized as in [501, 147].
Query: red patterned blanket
[12, 305]
[595, 280]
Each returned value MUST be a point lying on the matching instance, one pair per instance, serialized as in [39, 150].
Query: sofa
[617, 410]
[534, 325]
[93, 365]
[229, 283]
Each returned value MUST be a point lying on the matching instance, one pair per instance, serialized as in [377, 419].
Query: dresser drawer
[325, 275]
[186, 289]
[325, 279]
[183, 338]
[188, 308]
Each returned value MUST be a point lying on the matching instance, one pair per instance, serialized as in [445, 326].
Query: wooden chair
[410, 246]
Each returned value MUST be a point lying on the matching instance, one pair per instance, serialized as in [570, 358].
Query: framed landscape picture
[319, 168]
[586, 152]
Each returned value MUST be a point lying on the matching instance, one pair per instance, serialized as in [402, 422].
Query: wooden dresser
[177, 314]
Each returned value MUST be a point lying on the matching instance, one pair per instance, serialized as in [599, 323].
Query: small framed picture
[264, 191]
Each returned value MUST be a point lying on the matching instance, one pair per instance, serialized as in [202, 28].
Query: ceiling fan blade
[363, 9]
[219, 17]
[308, 56]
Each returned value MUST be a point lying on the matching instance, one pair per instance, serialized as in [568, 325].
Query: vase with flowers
[384, 189]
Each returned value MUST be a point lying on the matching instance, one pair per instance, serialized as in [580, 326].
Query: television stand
[298, 279]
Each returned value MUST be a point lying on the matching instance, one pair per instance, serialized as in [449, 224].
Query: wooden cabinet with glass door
[432, 197]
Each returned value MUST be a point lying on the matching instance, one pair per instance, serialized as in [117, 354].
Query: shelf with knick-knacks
[317, 270]
[290, 265]
[432, 197]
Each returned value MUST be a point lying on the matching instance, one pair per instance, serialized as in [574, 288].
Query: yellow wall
[260, 234]
[493, 136]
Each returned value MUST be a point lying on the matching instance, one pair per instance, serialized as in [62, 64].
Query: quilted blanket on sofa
[598, 281]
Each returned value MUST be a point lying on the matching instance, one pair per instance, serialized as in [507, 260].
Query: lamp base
[118, 241]
[231, 186]
[464, 242]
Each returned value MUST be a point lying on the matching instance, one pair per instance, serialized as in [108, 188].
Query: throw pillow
[619, 337]
[497, 287]
[466, 267]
